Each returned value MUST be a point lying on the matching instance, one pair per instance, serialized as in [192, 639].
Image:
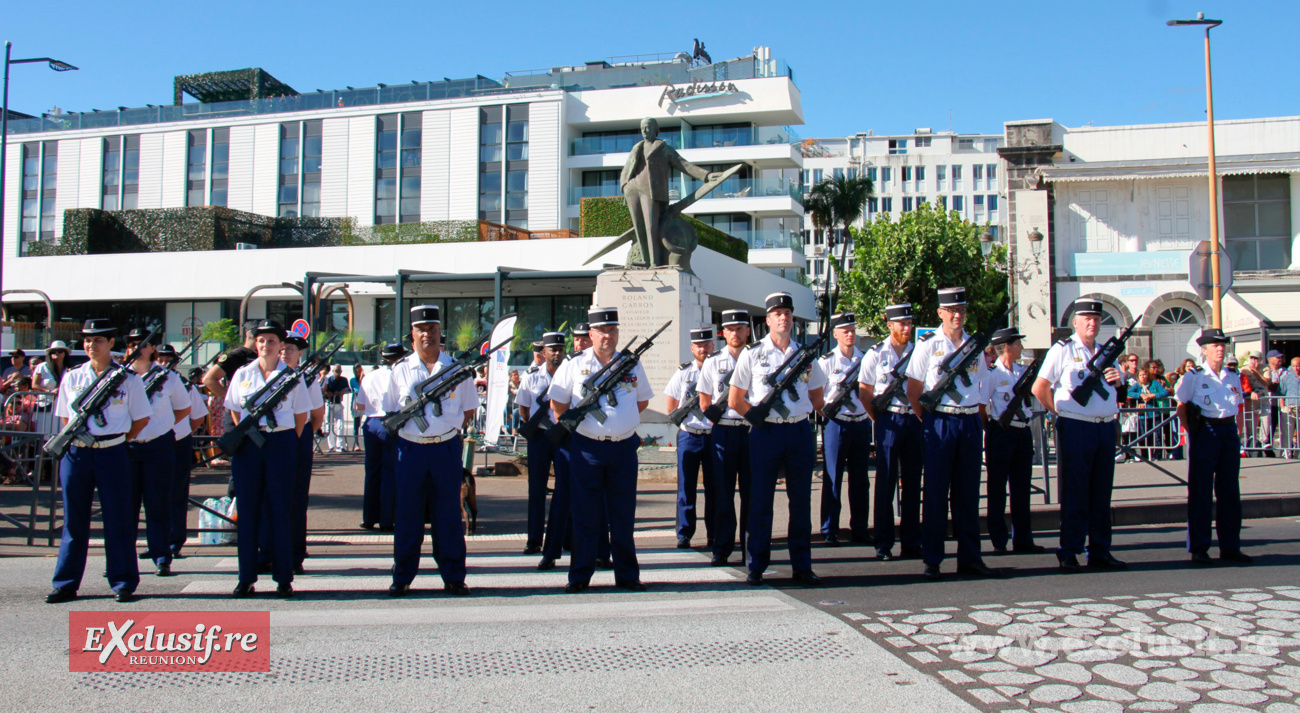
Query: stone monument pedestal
[645, 299]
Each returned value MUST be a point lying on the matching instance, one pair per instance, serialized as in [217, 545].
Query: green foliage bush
[602, 217]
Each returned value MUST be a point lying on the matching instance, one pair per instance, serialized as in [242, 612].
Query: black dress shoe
[575, 587]
[683, 543]
[398, 590]
[284, 591]
[604, 564]
[1236, 557]
[910, 553]
[546, 563]
[457, 588]
[367, 526]
[807, 578]
[718, 561]
[932, 572]
[978, 569]
[1068, 563]
[1106, 561]
[863, 539]
[885, 556]
[999, 550]
[532, 549]
[122, 596]
[176, 555]
[164, 570]
[242, 590]
[1030, 549]
[61, 595]
[299, 569]
[631, 585]
[1202, 559]
[754, 579]
[832, 541]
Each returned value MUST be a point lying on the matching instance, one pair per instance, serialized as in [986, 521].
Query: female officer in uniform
[266, 472]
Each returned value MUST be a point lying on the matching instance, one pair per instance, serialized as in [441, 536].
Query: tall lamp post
[55, 65]
[1214, 183]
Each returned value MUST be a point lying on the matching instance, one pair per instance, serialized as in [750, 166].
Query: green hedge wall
[603, 217]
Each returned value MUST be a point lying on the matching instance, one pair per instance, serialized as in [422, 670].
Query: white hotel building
[958, 171]
[508, 161]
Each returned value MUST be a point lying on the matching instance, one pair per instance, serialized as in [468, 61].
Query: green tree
[222, 331]
[911, 260]
[837, 202]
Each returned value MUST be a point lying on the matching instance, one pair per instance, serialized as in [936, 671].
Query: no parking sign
[300, 328]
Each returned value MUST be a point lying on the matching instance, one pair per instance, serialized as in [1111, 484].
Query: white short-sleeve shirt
[713, 374]
[621, 419]
[999, 388]
[533, 389]
[764, 359]
[926, 362]
[409, 373]
[166, 401]
[877, 370]
[198, 409]
[1065, 367]
[836, 367]
[127, 404]
[246, 382]
[682, 386]
[1217, 394]
[371, 396]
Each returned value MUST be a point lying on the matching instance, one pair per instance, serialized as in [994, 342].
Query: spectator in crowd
[1171, 379]
[20, 410]
[512, 414]
[333, 389]
[17, 369]
[358, 373]
[1148, 393]
[1289, 389]
[50, 372]
[1255, 389]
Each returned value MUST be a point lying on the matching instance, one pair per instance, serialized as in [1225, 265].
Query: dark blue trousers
[182, 464]
[693, 455]
[900, 453]
[379, 493]
[559, 527]
[953, 447]
[776, 450]
[301, 492]
[846, 446]
[264, 478]
[429, 477]
[730, 471]
[541, 454]
[1009, 460]
[81, 472]
[152, 464]
[1213, 488]
[1085, 460]
[603, 475]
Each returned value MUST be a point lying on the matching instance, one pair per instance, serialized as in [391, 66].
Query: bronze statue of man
[644, 181]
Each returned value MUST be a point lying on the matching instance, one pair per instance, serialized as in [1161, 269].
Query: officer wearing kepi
[429, 466]
[780, 442]
[543, 455]
[602, 456]
[954, 441]
[98, 462]
[184, 460]
[694, 443]
[899, 445]
[1008, 452]
[1085, 441]
[581, 337]
[295, 350]
[379, 492]
[152, 452]
[730, 439]
[846, 443]
[1214, 460]
[582, 342]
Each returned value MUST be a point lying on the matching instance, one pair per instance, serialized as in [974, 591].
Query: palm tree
[838, 201]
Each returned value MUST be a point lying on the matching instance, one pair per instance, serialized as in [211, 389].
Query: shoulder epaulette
[684, 365]
[828, 354]
[1197, 368]
[751, 345]
[1063, 342]
[1233, 370]
[927, 336]
[532, 369]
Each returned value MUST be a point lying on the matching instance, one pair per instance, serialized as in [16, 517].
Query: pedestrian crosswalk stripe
[344, 562]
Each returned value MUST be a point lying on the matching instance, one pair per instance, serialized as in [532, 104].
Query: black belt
[1225, 421]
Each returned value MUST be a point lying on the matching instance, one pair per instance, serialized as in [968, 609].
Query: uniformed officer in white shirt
[581, 342]
[581, 338]
[295, 350]
[846, 442]
[694, 443]
[98, 462]
[731, 471]
[954, 441]
[602, 456]
[266, 473]
[153, 450]
[1008, 452]
[379, 490]
[779, 442]
[183, 463]
[900, 447]
[543, 455]
[429, 466]
[1214, 459]
[1085, 441]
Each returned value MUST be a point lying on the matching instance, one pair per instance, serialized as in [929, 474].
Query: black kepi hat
[136, 335]
[602, 316]
[952, 296]
[537, 345]
[297, 341]
[779, 300]
[843, 319]
[167, 350]
[1005, 336]
[392, 350]
[1087, 305]
[425, 314]
[581, 329]
[1212, 335]
[98, 327]
[703, 334]
[733, 317]
[270, 326]
[552, 339]
[894, 313]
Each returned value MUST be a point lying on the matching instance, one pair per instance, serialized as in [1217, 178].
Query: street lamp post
[55, 65]
[1214, 183]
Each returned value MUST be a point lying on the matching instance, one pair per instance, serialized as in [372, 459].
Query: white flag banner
[498, 386]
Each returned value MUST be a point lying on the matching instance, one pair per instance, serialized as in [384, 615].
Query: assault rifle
[263, 402]
[601, 383]
[690, 406]
[898, 379]
[90, 404]
[155, 378]
[1095, 381]
[719, 406]
[786, 380]
[434, 389]
[954, 366]
[1020, 393]
[848, 387]
[533, 426]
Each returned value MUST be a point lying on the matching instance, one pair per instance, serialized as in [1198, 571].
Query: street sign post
[1201, 274]
[300, 328]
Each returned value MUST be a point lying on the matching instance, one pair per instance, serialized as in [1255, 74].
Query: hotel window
[886, 173]
[491, 133]
[922, 142]
[121, 184]
[31, 195]
[290, 150]
[979, 204]
[872, 205]
[993, 202]
[958, 203]
[398, 165]
[220, 165]
[197, 172]
[965, 144]
[940, 175]
[897, 146]
[871, 174]
[838, 173]
[942, 201]
[887, 205]
[817, 175]
[920, 173]
[921, 200]
[956, 177]
[907, 204]
[907, 173]
[991, 172]
[516, 209]
[311, 159]
[1257, 221]
[976, 175]
[852, 173]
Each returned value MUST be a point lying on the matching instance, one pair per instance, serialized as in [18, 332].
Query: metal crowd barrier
[1270, 426]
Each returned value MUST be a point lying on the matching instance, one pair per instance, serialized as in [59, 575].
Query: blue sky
[890, 67]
